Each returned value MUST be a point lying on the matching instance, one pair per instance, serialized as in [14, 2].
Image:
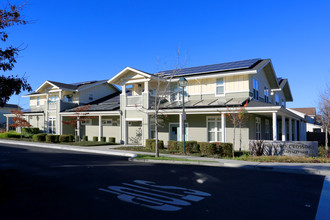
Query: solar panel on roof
[213, 68]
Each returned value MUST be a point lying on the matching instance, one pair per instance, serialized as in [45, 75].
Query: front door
[175, 132]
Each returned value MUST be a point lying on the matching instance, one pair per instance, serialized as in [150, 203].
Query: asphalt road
[52, 184]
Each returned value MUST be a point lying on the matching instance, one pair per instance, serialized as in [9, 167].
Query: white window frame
[216, 120]
[52, 125]
[38, 101]
[255, 89]
[223, 86]
[283, 103]
[258, 133]
[266, 93]
[175, 90]
[86, 122]
[107, 122]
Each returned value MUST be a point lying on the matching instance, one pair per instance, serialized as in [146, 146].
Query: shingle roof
[63, 85]
[307, 111]
[10, 106]
[243, 64]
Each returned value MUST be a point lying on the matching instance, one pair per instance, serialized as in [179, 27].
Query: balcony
[134, 100]
[52, 105]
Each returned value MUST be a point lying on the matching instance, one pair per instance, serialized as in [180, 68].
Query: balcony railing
[52, 105]
[134, 100]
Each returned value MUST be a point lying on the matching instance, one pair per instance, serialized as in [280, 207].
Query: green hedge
[85, 138]
[29, 132]
[227, 149]
[71, 138]
[103, 139]
[112, 140]
[39, 137]
[151, 144]
[52, 138]
[207, 148]
[95, 138]
[64, 138]
[172, 146]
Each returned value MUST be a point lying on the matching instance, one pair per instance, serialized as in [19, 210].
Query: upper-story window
[107, 122]
[90, 97]
[53, 98]
[266, 93]
[68, 98]
[220, 87]
[283, 103]
[176, 92]
[277, 99]
[38, 101]
[255, 89]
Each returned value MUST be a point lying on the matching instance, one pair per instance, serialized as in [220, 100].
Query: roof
[307, 111]
[107, 103]
[220, 67]
[10, 106]
[204, 103]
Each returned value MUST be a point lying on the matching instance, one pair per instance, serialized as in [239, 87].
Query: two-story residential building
[212, 92]
[6, 109]
[52, 97]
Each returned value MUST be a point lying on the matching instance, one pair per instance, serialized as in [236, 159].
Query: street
[53, 184]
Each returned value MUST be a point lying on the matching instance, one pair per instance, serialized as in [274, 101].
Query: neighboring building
[211, 90]
[51, 98]
[6, 110]
[309, 114]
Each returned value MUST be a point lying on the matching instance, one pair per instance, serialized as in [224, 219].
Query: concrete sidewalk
[303, 168]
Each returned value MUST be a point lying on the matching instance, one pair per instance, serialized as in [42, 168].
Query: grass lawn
[152, 157]
[87, 143]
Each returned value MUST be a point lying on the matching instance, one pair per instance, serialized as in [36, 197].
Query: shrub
[151, 144]
[95, 138]
[227, 149]
[50, 138]
[4, 135]
[103, 139]
[39, 137]
[71, 138]
[241, 153]
[57, 138]
[29, 132]
[160, 145]
[172, 145]
[85, 138]
[13, 134]
[257, 147]
[64, 138]
[207, 148]
[112, 140]
[191, 147]
[322, 151]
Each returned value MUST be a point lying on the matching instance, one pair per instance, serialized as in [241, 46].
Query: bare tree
[237, 118]
[324, 114]
[163, 92]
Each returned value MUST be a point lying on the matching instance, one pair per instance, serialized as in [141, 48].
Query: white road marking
[323, 211]
[141, 195]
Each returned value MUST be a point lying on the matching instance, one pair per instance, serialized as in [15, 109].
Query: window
[220, 88]
[52, 125]
[214, 129]
[283, 103]
[68, 98]
[277, 99]
[86, 122]
[176, 92]
[38, 101]
[107, 122]
[258, 128]
[255, 89]
[267, 129]
[266, 93]
[90, 97]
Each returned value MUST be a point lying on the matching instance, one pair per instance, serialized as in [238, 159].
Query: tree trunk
[240, 137]
[156, 136]
[326, 142]
[234, 140]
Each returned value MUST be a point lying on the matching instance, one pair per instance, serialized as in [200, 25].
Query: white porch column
[274, 126]
[7, 124]
[123, 89]
[146, 86]
[283, 129]
[295, 130]
[100, 127]
[290, 129]
[60, 124]
[181, 127]
[223, 127]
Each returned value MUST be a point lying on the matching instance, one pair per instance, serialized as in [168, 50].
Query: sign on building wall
[289, 148]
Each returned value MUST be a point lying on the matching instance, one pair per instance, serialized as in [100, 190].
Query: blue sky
[80, 40]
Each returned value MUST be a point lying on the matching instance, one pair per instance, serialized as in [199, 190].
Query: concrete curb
[69, 148]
